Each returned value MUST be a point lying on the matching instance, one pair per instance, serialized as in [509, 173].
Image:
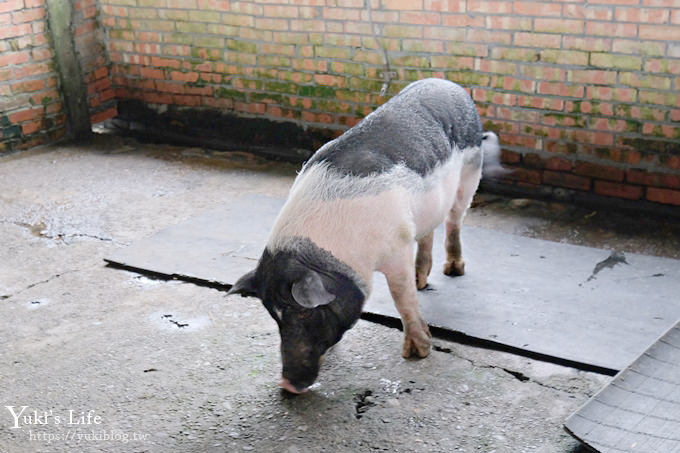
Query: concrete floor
[82, 342]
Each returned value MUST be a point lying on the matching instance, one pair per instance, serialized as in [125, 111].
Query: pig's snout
[289, 387]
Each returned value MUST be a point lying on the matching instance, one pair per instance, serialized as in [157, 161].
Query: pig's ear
[245, 286]
[310, 292]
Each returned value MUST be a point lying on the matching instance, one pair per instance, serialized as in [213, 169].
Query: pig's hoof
[421, 280]
[455, 267]
[416, 340]
[423, 268]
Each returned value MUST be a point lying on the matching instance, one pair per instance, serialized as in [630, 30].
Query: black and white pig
[361, 204]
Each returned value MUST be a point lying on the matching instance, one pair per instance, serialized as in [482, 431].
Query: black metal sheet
[548, 298]
[639, 411]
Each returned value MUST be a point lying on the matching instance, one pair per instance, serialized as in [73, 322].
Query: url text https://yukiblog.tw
[67, 426]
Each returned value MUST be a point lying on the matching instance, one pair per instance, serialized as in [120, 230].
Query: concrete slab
[79, 336]
[555, 300]
[639, 411]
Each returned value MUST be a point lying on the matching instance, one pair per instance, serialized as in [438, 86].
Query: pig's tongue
[286, 385]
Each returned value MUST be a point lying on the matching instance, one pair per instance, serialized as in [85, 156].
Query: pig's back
[419, 128]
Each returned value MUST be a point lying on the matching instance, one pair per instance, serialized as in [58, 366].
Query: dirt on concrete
[109, 360]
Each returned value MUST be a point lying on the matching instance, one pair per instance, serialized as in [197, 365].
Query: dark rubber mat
[639, 411]
[583, 305]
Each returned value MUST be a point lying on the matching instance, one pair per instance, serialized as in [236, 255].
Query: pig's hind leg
[469, 181]
[402, 284]
[424, 260]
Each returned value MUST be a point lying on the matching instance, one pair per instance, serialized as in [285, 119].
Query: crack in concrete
[38, 230]
[515, 374]
[41, 282]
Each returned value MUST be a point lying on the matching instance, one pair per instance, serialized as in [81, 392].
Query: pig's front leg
[424, 260]
[402, 284]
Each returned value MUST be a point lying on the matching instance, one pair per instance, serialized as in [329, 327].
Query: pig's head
[313, 299]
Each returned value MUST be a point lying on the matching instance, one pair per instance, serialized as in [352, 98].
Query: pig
[369, 201]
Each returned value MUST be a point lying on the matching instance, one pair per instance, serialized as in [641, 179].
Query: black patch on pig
[306, 333]
[417, 128]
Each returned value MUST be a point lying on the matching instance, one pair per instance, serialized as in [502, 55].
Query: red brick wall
[91, 49]
[584, 95]
[30, 104]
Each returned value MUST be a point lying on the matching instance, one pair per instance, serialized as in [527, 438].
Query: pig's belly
[431, 205]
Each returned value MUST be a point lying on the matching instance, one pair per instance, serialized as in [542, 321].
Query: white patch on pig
[377, 214]
[278, 313]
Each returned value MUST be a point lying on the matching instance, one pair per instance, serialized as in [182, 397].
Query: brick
[164, 62]
[524, 175]
[515, 54]
[608, 94]
[590, 11]
[558, 164]
[659, 98]
[599, 171]
[589, 44]
[540, 40]
[564, 26]
[15, 31]
[420, 45]
[533, 160]
[513, 84]
[645, 81]
[470, 50]
[28, 15]
[618, 29]
[403, 5]
[592, 76]
[28, 86]
[538, 102]
[463, 20]
[31, 127]
[612, 189]
[508, 23]
[665, 196]
[510, 157]
[608, 60]
[637, 47]
[565, 57]
[204, 16]
[452, 63]
[562, 179]
[662, 65]
[168, 87]
[537, 8]
[561, 89]
[151, 73]
[496, 67]
[489, 7]
[104, 115]
[444, 33]
[421, 18]
[646, 15]
[449, 6]
[25, 115]
[540, 72]
[660, 32]
[11, 5]
[489, 36]
[402, 31]
[281, 11]
[645, 178]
